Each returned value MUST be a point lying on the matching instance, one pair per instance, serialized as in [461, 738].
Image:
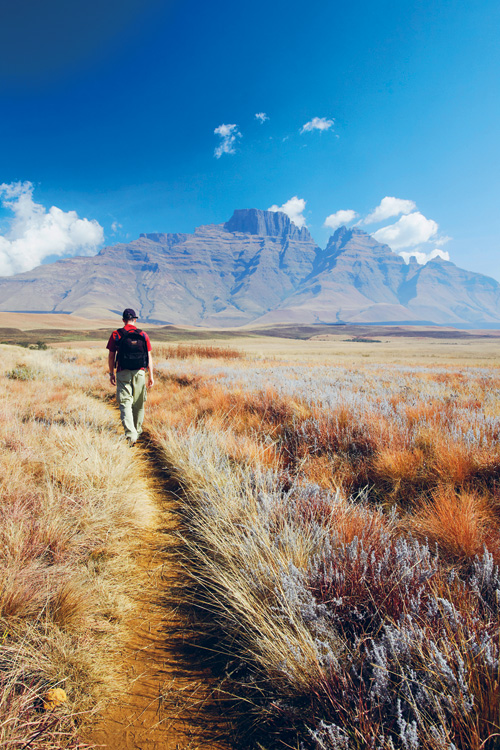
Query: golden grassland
[339, 516]
[397, 350]
[75, 507]
[341, 526]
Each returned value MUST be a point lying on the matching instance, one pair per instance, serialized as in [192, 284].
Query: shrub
[24, 372]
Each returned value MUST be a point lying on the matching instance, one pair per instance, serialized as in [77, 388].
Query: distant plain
[342, 343]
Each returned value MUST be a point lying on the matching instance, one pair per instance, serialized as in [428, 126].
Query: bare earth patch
[162, 705]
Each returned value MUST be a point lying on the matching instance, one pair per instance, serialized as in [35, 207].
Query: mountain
[222, 274]
[257, 267]
[356, 279]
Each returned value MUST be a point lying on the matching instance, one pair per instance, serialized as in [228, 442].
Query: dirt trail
[153, 714]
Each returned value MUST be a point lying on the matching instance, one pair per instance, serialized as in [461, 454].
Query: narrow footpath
[164, 708]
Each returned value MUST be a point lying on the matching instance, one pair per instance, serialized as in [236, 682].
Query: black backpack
[132, 352]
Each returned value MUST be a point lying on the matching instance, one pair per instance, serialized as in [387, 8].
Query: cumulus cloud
[228, 134]
[408, 231]
[317, 123]
[344, 216]
[294, 209]
[424, 258]
[261, 117]
[115, 226]
[34, 233]
[389, 207]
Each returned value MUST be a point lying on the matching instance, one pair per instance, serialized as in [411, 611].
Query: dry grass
[340, 543]
[461, 523]
[341, 547]
[75, 507]
[186, 351]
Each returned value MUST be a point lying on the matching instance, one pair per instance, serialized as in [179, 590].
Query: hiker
[130, 351]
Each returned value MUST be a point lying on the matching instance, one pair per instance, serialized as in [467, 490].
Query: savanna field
[337, 536]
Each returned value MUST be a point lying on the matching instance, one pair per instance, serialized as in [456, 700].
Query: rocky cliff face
[356, 279]
[227, 274]
[259, 267]
[266, 224]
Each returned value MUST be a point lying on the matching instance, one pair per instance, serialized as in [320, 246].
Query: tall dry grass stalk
[75, 507]
[187, 351]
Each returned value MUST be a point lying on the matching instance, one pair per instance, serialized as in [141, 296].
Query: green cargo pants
[131, 396]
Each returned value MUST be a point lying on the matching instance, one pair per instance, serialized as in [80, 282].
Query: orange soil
[153, 715]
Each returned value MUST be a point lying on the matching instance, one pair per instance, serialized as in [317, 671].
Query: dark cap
[129, 314]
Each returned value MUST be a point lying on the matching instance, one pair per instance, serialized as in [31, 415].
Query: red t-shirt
[112, 344]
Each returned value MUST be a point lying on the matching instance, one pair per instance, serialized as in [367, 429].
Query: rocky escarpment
[357, 279]
[257, 267]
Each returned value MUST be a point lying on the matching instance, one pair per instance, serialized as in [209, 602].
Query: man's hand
[151, 380]
[111, 367]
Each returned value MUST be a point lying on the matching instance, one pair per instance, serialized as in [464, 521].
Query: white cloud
[317, 123]
[228, 134]
[424, 258]
[408, 231]
[294, 209]
[35, 233]
[440, 241]
[115, 226]
[340, 217]
[389, 207]
[261, 117]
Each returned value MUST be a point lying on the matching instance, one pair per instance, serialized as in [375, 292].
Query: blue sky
[109, 110]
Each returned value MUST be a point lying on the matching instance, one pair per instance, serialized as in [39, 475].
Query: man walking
[130, 351]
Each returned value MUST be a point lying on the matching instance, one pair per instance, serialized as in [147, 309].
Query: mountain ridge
[257, 267]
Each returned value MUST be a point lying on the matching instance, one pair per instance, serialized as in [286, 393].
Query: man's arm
[150, 369]
[111, 368]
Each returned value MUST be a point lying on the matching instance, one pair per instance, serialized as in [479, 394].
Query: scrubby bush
[24, 372]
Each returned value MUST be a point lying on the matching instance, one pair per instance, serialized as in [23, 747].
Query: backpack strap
[121, 333]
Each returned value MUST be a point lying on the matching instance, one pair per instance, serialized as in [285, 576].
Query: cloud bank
[317, 123]
[344, 216]
[410, 230]
[294, 209]
[228, 135]
[35, 233]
